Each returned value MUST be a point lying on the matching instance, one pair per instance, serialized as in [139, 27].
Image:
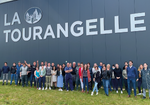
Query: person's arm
[123, 74]
[35, 73]
[44, 72]
[26, 63]
[136, 74]
[20, 71]
[37, 63]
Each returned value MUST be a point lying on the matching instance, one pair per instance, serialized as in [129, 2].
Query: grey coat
[145, 78]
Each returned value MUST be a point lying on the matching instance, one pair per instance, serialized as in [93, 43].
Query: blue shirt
[5, 69]
[100, 67]
[18, 69]
[67, 68]
[132, 73]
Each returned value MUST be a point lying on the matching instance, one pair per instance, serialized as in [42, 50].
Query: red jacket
[81, 74]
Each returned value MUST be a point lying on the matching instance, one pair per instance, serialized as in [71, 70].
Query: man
[45, 64]
[73, 73]
[42, 64]
[68, 71]
[91, 74]
[32, 77]
[77, 76]
[5, 71]
[100, 65]
[23, 74]
[145, 73]
[13, 72]
[48, 76]
[132, 77]
[57, 67]
[63, 74]
[18, 74]
[53, 64]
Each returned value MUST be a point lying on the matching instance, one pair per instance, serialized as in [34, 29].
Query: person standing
[37, 76]
[54, 77]
[32, 77]
[13, 72]
[42, 73]
[5, 71]
[68, 71]
[29, 74]
[48, 76]
[113, 81]
[140, 79]
[132, 77]
[23, 74]
[73, 73]
[59, 78]
[124, 74]
[105, 78]
[118, 77]
[63, 73]
[91, 75]
[86, 77]
[145, 73]
[77, 76]
[96, 79]
[108, 69]
[81, 75]
[18, 78]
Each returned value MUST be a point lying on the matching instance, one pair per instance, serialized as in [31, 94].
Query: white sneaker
[39, 88]
[92, 94]
[67, 90]
[49, 88]
[46, 88]
[43, 88]
[121, 92]
[116, 91]
[61, 90]
[58, 89]
[139, 94]
[96, 93]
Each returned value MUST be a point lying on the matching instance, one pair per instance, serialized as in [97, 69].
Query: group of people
[80, 74]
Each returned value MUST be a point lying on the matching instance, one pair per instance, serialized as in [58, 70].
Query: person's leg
[11, 79]
[116, 84]
[3, 78]
[110, 84]
[26, 80]
[126, 86]
[71, 83]
[84, 81]
[134, 86]
[16, 80]
[87, 84]
[129, 91]
[47, 81]
[139, 84]
[104, 85]
[107, 83]
[43, 81]
[77, 83]
[31, 77]
[66, 82]
[81, 84]
[23, 80]
[7, 78]
[144, 92]
[120, 82]
[40, 83]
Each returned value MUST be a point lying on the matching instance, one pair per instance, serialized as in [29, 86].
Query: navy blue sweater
[132, 73]
[118, 72]
[5, 69]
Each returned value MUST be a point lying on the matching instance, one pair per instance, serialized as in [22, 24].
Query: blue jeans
[32, 78]
[13, 76]
[144, 92]
[17, 78]
[133, 84]
[85, 82]
[77, 82]
[95, 87]
[105, 84]
[41, 80]
[110, 84]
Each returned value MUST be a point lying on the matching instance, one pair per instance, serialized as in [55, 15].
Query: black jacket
[73, 70]
[106, 74]
[13, 69]
[58, 73]
[97, 77]
[118, 72]
[63, 71]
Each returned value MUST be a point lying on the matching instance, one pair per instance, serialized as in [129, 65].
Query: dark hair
[130, 61]
[89, 63]
[86, 67]
[113, 65]
[81, 62]
[6, 62]
[53, 67]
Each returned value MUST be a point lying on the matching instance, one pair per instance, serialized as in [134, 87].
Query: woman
[42, 73]
[105, 78]
[124, 74]
[81, 75]
[96, 79]
[37, 76]
[86, 77]
[118, 77]
[54, 77]
[60, 78]
[113, 78]
[140, 78]
[108, 69]
[145, 74]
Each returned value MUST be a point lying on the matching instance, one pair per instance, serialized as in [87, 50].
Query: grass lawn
[30, 96]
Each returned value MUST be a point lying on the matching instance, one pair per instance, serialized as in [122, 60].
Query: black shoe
[107, 95]
[3, 84]
[144, 97]
[6, 83]
[10, 84]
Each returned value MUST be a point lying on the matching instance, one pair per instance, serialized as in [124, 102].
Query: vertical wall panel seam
[92, 35]
[105, 35]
